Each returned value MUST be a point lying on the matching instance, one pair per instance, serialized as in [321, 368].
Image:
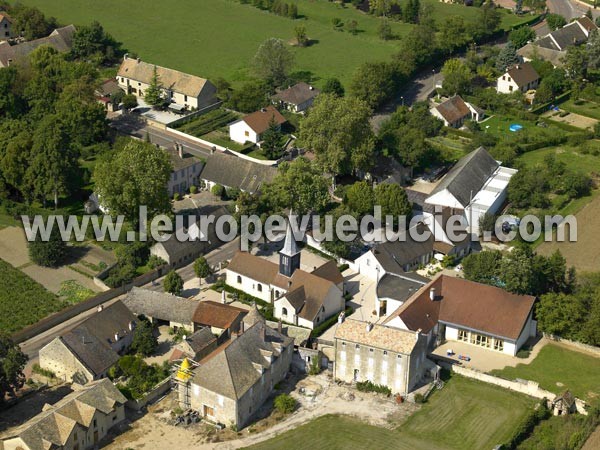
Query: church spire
[289, 256]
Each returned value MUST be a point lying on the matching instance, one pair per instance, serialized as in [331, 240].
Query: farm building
[161, 307]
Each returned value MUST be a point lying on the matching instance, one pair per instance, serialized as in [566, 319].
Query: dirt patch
[13, 246]
[51, 279]
[573, 119]
[582, 254]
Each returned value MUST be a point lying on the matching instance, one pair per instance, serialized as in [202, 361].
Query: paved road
[569, 9]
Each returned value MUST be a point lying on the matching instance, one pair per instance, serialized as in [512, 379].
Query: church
[299, 297]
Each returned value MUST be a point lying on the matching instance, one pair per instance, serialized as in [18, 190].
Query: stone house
[251, 127]
[186, 91]
[231, 384]
[78, 421]
[196, 346]
[297, 98]
[563, 404]
[186, 171]
[6, 31]
[86, 352]
[455, 309]
[383, 355]
[61, 39]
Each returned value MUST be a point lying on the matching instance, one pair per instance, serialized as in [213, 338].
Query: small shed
[564, 404]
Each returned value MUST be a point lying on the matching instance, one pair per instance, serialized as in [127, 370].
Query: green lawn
[217, 38]
[572, 157]
[23, 301]
[466, 414]
[574, 370]
[585, 108]
[499, 125]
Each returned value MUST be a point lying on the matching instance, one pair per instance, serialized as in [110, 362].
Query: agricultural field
[217, 38]
[464, 414]
[23, 301]
[557, 368]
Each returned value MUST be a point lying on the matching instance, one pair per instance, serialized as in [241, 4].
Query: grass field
[499, 125]
[217, 38]
[585, 108]
[22, 300]
[465, 414]
[572, 157]
[575, 371]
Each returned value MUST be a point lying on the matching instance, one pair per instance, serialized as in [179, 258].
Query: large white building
[455, 309]
[187, 91]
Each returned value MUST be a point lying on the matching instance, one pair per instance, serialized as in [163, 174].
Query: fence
[74, 310]
[158, 391]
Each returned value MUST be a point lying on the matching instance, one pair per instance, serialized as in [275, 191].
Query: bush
[218, 190]
[193, 189]
[368, 386]
[176, 196]
[285, 403]
[419, 398]
[51, 253]
[44, 372]
[155, 261]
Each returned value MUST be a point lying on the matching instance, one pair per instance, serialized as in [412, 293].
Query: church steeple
[289, 256]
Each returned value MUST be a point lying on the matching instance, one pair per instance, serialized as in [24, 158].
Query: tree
[252, 96]
[144, 341]
[153, 94]
[393, 200]
[133, 176]
[457, 77]
[576, 63]
[411, 11]
[12, 363]
[593, 50]
[489, 18]
[273, 61]
[51, 253]
[94, 41]
[298, 185]
[129, 102]
[271, 140]
[360, 198]
[53, 162]
[521, 36]
[300, 34]
[338, 130]
[453, 33]
[333, 86]
[482, 267]
[555, 21]
[30, 22]
[507, 57]
[173, 283]
[285, 404]
[517, 271]
[201, 268]
[374, 83]
[384, 29]
[352, 27]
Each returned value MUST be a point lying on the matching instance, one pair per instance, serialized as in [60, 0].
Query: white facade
[264, 291]
[333, 304]
[507, 85]
[241, 132]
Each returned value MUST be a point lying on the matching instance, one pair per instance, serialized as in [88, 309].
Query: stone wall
[157, 392]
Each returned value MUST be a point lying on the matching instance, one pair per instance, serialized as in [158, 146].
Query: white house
[519, 77]
[455, 309]
[251, 127]
[455, 111]
[187, 91]
[299, 297]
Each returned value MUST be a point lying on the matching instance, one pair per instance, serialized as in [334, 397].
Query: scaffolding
[181, 377]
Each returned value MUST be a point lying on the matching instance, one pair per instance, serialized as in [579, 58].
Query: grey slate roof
[232, 371]
[91, 341]
[200, 339]
[232, 171]
[60, 39]
[160, 305]
[290, 246]
[297, 94]
[468, 175]
[399, 287]
[179, 163]
[394, 255]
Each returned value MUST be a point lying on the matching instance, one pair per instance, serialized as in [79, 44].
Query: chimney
[125, 56]
[432, 294]
[417, 334]
[138, 60]
[280, 327]
[100, 308]
[518, 66]
[131, 325]
[263, 333]
[179, 148]
[212, 150]
[184, 338]
[369, 326]
[116, 337]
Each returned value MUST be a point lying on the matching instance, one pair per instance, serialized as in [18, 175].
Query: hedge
[320, 329]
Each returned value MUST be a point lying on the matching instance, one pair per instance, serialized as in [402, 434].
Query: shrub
[368, 386]
[218, 190]
[176, 196]
[419, 398]
[343, 267]
[155, 261]
[315, 366]
[285, 403]
[44, 372]
[193, 189]
[51, 253]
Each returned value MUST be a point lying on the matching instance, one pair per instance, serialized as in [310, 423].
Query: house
[186, 91]
[475, 186]
[78, 421]
[232, 383]
[380, 354]
[297, 98]
[201, 238]
[60, 39]
[251, 127]
[195, 346]
[236, 173]
[455, 111]
[553, 46]
[6, 31]
[186, 170]
[455, 309]
[222, 320]
[86, 352]
[519, 77]
[162, 308]
[107, 94]
[299, 297]
[564, 404]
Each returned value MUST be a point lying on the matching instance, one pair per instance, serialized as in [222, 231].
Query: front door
[356, 371]
[208, 411]
[95, 437]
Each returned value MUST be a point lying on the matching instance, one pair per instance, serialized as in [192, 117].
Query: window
[510, 88]
[499, 345]
[463, 335]
[95, 423]
[239, 279]
[399, 356]
[385, 353]
[371, 350]
[343, 344]
[246, 133]
[139, 84]
[357, 346]
[284, 312]
[259, 287]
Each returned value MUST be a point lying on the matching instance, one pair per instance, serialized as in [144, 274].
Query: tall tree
[12, 364]
[507, 57]
[339, 132]
[201, 268]
[273, 61]
[333, 86]
[153, 94]
[173, 283]
[30, 22]
[144, 341]
[393, 200]
[271, 140]
[489, 18]
[555, 21]
[132, 176]
[51, 253]
[360, 198]
[593, 50]
[374, 83]
[301, 36]
[483, 267]
[457, 77]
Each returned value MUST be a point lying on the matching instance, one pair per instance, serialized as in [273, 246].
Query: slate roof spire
[289, 256]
